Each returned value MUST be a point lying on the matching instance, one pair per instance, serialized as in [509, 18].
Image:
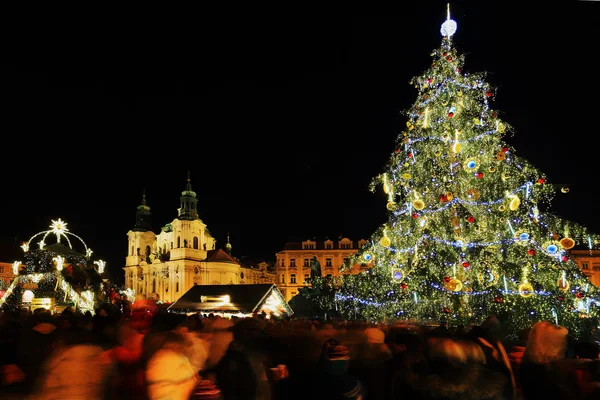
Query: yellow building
[164, 266]
[588, 262]
[293, 263]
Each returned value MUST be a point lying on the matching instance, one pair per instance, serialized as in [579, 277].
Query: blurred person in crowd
[490, 334]
[168, 371]
[77, 369]
[456, 370]
[35, 346]
[545, 371]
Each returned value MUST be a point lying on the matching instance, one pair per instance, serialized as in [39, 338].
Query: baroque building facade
[294, 263]
[164, 266]
[588, 262]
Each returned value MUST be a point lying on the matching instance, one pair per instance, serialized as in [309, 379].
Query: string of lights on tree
[469, 233]
[56, 271]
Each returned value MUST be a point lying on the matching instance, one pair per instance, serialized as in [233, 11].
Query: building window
[177, 286]
[195, 242]
[293, 278]
[585, 265]
[328, 246]
[306, 278]
[178, 242]
[1, 270]
[282, 278]
[308, 245]
[282, 262]
[328, 262]
[596, 267]
[306, 262]
[292, 262]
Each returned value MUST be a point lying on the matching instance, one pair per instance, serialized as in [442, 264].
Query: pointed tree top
[449, 26]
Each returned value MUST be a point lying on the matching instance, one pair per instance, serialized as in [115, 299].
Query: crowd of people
[149, 355]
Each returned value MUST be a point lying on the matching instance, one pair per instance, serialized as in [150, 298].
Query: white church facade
[164, 266]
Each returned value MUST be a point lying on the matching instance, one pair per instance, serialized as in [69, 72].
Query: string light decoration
[469, 232]
[56, 270]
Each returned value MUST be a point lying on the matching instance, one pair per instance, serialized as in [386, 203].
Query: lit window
[328, 262]
[293, 278]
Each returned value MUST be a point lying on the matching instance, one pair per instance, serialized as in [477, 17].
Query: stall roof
[245, 299]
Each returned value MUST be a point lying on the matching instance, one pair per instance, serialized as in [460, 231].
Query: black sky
[281, 122]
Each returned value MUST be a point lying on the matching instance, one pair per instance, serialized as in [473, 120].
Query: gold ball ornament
[473, 194]
[565, 189]
[500, 156]
[492, 169]
[501, 208]
[501, 127]
[385, 241]
[525, 289]
[456, 147]
[454, 285]
[567, 243]
[418, 204]
[391, 205]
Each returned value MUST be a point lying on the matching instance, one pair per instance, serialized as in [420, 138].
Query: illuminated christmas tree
[469, 233]
[55, 274]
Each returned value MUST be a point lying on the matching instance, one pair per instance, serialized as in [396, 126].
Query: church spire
[188, 209]
[228, 245]
[143, 216]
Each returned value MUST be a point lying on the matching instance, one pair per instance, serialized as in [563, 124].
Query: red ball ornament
[479, 175]
[580, 295]
[446, 310]
[564, 258]
[505, 149]
[450, 115]
[498, 300]
[429, 80]
[443, 198]
[458, 70]
[531, 252]
[447, 279]
[488, 94]
[466, 264]
[494, 114]
[541, 181]
[471, 219]
[449, 58]
[415, 215]
[560, 298]
[403, 285]
[445, 54]
[398, 151]
[409, 155]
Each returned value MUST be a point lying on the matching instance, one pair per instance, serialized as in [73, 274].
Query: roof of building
[219, 255]
[296, 244]
[242, 299]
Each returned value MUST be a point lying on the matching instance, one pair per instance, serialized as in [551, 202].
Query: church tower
[188, 209]
[228, 245]
[141, 244]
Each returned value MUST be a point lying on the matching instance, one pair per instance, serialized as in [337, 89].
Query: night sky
[282, 122]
